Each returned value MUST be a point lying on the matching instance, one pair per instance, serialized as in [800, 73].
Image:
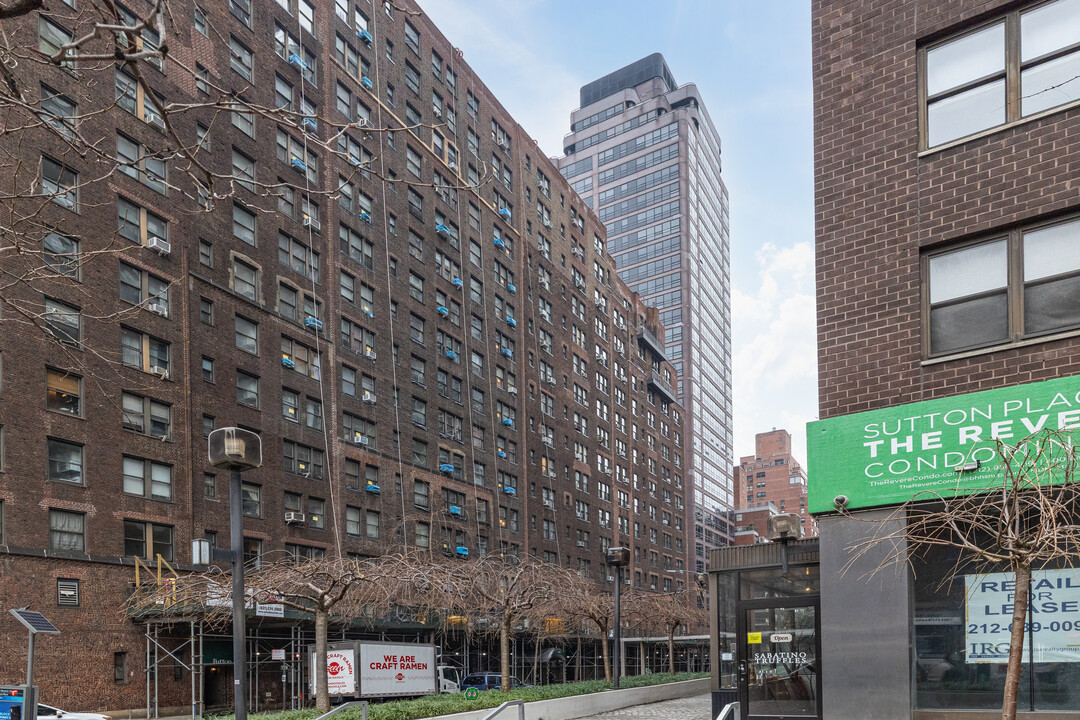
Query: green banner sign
[888, 456]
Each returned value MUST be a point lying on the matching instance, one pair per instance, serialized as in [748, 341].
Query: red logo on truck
[400, 677]
[333, 668]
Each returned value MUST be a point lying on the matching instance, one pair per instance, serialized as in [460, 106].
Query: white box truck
[362, 669]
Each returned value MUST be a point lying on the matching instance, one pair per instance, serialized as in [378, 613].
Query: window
[65, 461]
[372, 518]
[247, 335]
[132, 97]
[298, 256]
[243, 170]
[977, 299]
[422, 535]
[353, 527]
[306, 12]
[313, 414]
[240, 59]
[419, 453]
[356, 247]
[302, 460]
[416, 287]
[61, 255]
[148, 540]
[206, 254]
[147, 479]
[67, 531]
[241, 10]
[247, 389]
[52, 37]
[133, 160]
[360, 431]
[146, 416]
[138, 287]
[206, 311]
[991, 76]
[356, 337]
[412, 37]
[292, 152]
[201, 23]
[251, 499]
[63, 392]
[120, 658]
[419, 412]
[59, 183]
[245, 280]
[58, 111]
[139, 225]
[208, 369]
[63, 321]
[421, 495]
[253, 552]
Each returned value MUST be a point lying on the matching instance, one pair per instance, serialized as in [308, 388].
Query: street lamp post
[619, 557]
[236, 450]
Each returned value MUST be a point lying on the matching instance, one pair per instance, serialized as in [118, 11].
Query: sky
[751, 61]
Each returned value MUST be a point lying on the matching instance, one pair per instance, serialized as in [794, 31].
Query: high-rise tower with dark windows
[644, 154]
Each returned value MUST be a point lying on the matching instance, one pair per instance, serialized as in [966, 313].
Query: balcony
[657, 383]
[650, 341]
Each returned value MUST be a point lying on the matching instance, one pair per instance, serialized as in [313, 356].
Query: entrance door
[778, 659]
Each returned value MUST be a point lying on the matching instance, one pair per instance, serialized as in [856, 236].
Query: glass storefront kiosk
[765, 628]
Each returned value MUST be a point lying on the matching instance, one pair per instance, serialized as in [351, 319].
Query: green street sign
[472, 693]
[885, 457]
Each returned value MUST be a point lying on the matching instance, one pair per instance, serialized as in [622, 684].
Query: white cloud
[775, 347]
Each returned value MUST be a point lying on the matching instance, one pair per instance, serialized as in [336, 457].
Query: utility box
[18, 702]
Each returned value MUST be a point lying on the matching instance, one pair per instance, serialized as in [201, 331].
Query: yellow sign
[554, 626]
[753, 638]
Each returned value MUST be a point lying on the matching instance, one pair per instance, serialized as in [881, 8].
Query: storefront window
[771, 583]
[725, 614]
[962, 619]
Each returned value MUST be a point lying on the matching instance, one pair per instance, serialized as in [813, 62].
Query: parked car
[48, 712]
[489, 681]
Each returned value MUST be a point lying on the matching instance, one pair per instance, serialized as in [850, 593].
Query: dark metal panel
[865, 624]
[799, 552]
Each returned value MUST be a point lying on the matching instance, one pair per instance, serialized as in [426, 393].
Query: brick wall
[878, 203]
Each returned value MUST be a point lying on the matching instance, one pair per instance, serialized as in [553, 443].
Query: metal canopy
[34, 621]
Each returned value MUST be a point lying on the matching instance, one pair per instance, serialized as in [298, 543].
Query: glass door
[778, 667]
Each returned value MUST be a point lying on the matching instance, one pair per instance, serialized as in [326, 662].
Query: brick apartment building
[422, 324]
[769, 482]
[948, 280]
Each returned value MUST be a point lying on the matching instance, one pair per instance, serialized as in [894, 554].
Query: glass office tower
[644, 154]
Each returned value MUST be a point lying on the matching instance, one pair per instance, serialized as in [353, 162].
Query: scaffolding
[277, 667]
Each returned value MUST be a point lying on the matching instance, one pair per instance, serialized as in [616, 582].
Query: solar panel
[35, 621]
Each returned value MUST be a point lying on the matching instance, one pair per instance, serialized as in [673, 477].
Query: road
[692, 708]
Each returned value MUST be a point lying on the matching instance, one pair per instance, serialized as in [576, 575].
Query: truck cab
[449, 679]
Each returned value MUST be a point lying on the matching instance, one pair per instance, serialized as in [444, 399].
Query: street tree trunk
[607, 652]
[1016, 641]
[504, 653]
[322, 693]
[671, 650]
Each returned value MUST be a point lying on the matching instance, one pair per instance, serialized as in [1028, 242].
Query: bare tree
[1024, 519]
[495, 594]
[667, 613]
[584, 605]
[324, 587]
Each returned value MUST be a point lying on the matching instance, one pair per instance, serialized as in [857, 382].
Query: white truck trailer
[363, 669]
